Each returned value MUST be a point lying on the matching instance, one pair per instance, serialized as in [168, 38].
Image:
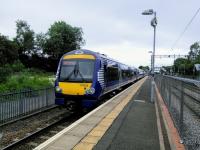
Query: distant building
[197, 67]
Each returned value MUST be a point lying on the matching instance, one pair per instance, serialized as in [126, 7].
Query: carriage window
[112, 73]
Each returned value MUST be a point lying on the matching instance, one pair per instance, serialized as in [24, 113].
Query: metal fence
[18, 104]
[182, 97]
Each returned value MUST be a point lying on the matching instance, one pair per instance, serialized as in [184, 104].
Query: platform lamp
[153, 24]
[151, 59]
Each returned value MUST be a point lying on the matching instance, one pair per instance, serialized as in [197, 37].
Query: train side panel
[108, 75]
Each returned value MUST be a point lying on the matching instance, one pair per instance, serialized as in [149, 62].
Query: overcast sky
[112, 27]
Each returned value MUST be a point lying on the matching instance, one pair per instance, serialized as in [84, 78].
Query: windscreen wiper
[83, 79]
[78, 72]
[71, 73]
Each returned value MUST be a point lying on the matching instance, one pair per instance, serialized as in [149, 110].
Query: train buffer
[127, 121]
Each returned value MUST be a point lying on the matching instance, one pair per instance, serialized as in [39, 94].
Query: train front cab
[76, 81]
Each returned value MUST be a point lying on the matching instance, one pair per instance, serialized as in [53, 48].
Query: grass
[26, 79]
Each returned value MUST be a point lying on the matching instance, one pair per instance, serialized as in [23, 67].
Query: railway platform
[127, 121]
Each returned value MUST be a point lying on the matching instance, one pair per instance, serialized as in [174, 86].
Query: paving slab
[136, 126]
[81, 130]
[68, 140]
[79, 134]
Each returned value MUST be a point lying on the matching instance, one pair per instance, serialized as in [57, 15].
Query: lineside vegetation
[30, 59]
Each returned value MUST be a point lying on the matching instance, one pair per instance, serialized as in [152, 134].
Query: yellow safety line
[89, 141]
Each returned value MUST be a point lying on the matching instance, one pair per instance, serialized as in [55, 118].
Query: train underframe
[76, 102]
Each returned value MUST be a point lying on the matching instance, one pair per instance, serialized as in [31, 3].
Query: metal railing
[182, 97]
[18, 104]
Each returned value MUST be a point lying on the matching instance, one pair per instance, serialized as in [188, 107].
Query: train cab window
[77, 70]
[67, 69]
[86, 69]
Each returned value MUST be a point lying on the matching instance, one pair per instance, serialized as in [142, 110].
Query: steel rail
[34, 134]
[29, 115]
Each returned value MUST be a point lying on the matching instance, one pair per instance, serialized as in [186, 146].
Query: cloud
[124, 52]
[116, 28]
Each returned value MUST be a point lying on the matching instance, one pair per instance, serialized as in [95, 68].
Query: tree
[40, 41]
[8, 51]
[62, 38]
[24, 38]
[194, 52]
[145, 68]
[166, 69]
[183, 66]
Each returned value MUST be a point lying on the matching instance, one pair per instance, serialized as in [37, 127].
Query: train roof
[81, 51]
[86, 51]
[96, 54]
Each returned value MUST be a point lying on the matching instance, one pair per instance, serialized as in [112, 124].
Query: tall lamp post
[153, 24]
[151, 59]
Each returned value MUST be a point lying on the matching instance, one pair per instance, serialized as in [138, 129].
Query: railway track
[34, 139]
[29, 115]
[22, 128]
[45, 129]
[190, 102]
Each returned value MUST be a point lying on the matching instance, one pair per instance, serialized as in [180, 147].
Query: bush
[8, 69]
[16, 77]
[17, 66]
[25, 80]
[4, 73]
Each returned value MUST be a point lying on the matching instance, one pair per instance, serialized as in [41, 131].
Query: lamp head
[148, 12]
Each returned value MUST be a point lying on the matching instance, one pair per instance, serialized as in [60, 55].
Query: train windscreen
[79, 70]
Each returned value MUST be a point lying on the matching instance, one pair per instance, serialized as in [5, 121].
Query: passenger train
[84, 76]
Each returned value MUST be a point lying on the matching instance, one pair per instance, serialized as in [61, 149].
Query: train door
[105, 72]
[120, 74]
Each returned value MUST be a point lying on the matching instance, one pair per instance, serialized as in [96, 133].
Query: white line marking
[141, 101]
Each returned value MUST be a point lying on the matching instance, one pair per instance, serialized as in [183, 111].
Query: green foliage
[62, 38]
[194, 52]
[16, 77]
[145, 68]
[24, 37]
[30, 50]
[33, 49]
[8, 69]
[8, 51]
[186, 66]
[25, 80]
[40, 41]
[4, 73]
[17, 66]
[166, 69]
[183, 66]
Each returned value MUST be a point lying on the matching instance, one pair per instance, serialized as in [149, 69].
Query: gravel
[191, 130]
[17, 130]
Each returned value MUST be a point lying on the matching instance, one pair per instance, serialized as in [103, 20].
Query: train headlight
[90, 91]
[58, 89]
